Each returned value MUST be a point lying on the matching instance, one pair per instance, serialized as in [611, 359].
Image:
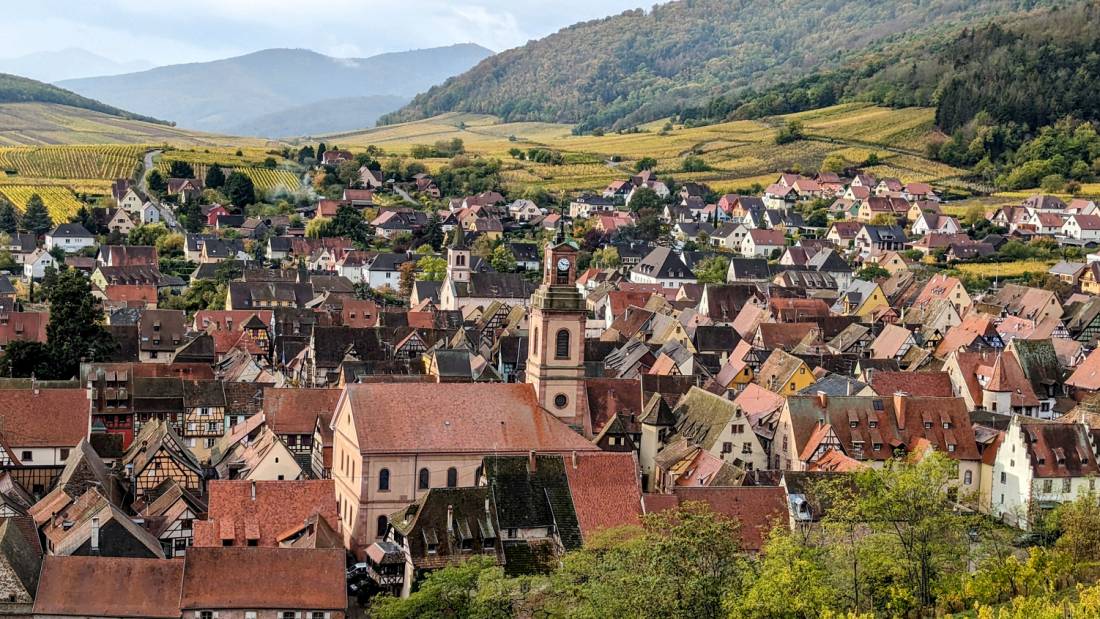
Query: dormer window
[873, 423]
[928, 425]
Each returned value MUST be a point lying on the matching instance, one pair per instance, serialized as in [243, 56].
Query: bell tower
[555, 348]
[458, 257]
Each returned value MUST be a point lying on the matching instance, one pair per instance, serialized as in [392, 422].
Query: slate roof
[495, 286]
[663, 263]
[527, 498]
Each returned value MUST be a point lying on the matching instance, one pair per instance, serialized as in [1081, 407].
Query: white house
[662, 266]
[35, 265]
[932, 223]
[69, 237]
[524, 210]
[384, 270]
[1038, 466]
[761, 243]
[729, 236]
[131, 201]
[1082, 227]
[150, 214]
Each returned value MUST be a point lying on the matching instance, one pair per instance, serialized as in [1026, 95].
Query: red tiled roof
[264, 578]
[920, 384]
[24, 326]
[109, 587]
[756, 508]
[49, 418]
[128, 292]
[278, 506]
[455, 418]
[767, 237]
[1087, 375]
[295, 411]
[606, 490]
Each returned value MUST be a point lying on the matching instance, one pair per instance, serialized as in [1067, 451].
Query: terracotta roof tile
[277, 506]
[109, 587]
[756, 508]
[606, 490]
[49, 418]
[921, 384]
[455, 418]
[234, 578]
[295, 411]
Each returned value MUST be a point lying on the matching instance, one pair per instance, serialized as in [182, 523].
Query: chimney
[253, 491]
[900, 398]
[95, 535]
[574, 460]
[822, 399]
[848, 387]
[450, 518]
[532, 464]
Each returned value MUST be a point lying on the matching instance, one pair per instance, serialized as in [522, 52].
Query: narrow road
[146, 165]
[404, 195]
[165, 212]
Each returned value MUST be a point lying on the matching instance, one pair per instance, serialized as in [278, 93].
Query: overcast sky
[169, 32]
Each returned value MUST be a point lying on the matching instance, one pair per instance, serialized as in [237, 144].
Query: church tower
[458, 257]
[555, 348]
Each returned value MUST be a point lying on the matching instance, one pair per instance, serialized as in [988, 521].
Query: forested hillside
[639, 66]
[1016, 96]
[15, 89]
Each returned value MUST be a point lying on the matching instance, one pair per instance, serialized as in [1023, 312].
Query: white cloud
[158, 31]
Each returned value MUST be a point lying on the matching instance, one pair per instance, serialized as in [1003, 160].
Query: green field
[739, 153]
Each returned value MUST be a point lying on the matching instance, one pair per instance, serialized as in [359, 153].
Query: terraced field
[105, 162]
[1007, 269]
[59, 201]
[739, 153]
[248, 162]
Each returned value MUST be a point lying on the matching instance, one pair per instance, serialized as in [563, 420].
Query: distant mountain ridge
[321, 117]
[69, 63]
[640, 66]
[241, 91]
[16, 89]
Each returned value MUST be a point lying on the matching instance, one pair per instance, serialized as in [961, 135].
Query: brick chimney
[532, 462]
[822, 399]
[900, 399]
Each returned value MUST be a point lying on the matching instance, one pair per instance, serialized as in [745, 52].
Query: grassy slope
[31, 124]
[740, 153]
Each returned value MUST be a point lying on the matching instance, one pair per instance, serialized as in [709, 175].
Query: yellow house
[861, 299]
[1090, 280]
[784, 374]
[893, 262]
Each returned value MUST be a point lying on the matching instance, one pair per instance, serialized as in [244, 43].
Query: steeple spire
[560, 238]
[458, 241]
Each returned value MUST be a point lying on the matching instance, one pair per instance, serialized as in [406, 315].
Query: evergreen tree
[181, 169]
[155, 180]
[321, 148]
[192, 217]
[215, 177]
[36, 218]
[240, 190]
[9, 220]
[75, 331]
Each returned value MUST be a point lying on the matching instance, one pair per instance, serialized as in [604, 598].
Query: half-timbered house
[158, 454]
[171, 516]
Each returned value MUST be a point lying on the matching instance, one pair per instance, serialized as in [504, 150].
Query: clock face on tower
[563, 264]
